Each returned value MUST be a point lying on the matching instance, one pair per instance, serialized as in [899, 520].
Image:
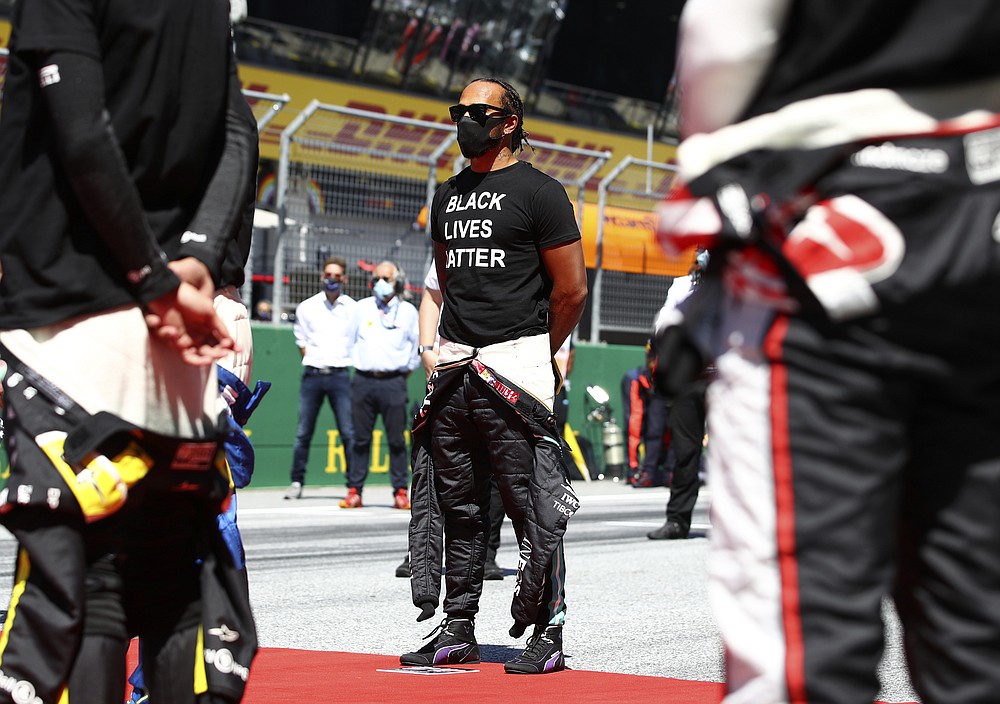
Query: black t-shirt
[167, 69]
[494, 226]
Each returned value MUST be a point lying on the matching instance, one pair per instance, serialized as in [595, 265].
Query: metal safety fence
[265, 106]
[352, 183]
[631, 276]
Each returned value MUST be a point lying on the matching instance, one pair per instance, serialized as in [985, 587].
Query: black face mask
[474, 139]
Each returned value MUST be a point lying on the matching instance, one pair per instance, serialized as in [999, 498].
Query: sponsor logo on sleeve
[48, 75]
[982, 156]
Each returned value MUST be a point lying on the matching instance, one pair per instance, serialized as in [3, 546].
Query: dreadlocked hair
[511, 100]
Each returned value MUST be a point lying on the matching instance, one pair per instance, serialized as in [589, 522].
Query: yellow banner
[629, 243]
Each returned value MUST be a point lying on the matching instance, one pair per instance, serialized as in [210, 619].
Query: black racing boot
[453, 643]
[671, 530]
[543, 654]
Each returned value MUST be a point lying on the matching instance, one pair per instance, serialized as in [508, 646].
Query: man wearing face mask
[385, 338]
[322, 327]
[511, 271]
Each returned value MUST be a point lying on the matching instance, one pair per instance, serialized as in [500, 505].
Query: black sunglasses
[477, 111]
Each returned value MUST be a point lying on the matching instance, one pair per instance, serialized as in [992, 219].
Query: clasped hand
[185, 318]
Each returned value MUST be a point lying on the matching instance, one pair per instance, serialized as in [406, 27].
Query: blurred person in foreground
[844, 165]
[120, 153]
[511, 271]
[233, 371]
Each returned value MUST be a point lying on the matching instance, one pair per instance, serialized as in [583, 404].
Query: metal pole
[585, 177]
[279, 102]
[284, 162]
[649, 157]
[602, 197]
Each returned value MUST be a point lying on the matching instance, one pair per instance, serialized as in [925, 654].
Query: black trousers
[687, 430]
[372, 397]
[656, 423]
[476, 442]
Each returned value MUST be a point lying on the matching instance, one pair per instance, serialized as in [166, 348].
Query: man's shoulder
[526, 173]
[307, 303]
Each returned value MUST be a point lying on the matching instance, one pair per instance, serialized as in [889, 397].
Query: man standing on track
[385, 338]
[511, 268]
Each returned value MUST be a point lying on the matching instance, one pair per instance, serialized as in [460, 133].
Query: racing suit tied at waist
[527, 361]
[551, 499]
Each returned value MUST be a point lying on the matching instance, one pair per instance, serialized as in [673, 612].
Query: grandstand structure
[347, 168]
[435, 48]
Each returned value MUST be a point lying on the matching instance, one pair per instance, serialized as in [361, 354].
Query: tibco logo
[224, 662]
[21, 691]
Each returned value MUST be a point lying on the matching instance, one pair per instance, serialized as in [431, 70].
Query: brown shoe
[402, 500]
[352, 500]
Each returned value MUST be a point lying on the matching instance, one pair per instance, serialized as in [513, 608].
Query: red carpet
[296, 676]
[283, 676]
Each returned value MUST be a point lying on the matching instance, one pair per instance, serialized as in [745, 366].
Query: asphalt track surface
[322, 578]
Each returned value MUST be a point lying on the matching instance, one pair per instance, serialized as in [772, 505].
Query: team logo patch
[223, 661]
[842, 247]
[501, 388]
[194, 456]
[891, 156]
[48, 75]
[982, 156]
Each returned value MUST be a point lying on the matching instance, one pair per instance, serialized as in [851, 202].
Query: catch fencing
[631, 275]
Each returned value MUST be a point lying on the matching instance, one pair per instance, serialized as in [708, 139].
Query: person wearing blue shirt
[385, 338]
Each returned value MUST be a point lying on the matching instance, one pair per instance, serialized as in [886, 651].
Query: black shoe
[453, 643]
[543, 654]
[671, 530]
[492, 570]
[404, 568]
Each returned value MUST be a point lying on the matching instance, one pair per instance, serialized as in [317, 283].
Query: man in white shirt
[385, 337]
[322, 333]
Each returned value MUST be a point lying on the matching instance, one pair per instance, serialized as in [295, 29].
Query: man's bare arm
[430, 314]
[565, 266]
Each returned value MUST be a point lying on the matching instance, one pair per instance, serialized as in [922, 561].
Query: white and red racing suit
[844, 164]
